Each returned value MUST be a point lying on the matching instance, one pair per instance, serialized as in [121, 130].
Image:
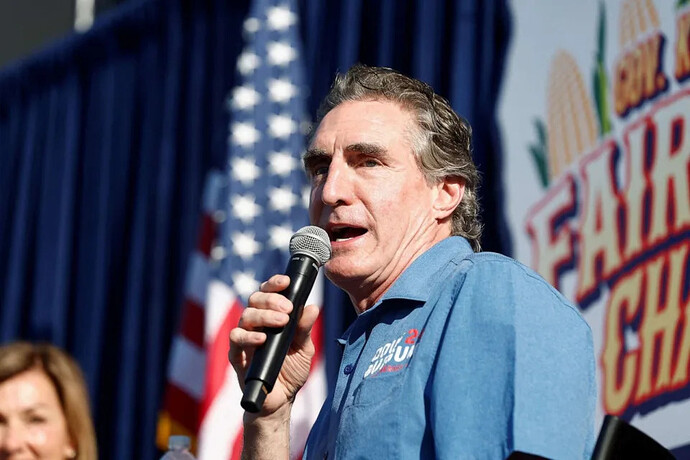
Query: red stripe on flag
[237, 445]
[207, 234]
[181, 407]
[317, 339]
[217, 357]
[193, 323]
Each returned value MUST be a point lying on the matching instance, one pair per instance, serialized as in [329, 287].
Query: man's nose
[337, 188]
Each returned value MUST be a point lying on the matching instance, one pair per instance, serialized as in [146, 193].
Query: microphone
[310, 248]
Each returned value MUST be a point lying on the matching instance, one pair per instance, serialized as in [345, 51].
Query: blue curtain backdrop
[105, 140]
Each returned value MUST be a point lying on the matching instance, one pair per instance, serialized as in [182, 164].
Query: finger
[242, 341]
[275, 283]
[269, 301]
[253, 318]
[305, 325]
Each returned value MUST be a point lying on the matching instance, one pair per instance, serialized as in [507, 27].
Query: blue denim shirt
[467, 355]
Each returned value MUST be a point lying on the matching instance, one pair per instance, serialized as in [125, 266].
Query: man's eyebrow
[314, 155]
[366, 148]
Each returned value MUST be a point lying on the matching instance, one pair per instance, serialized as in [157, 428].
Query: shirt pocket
[379, 388]
[370, 426]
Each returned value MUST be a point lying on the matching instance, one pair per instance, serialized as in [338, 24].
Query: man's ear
[450, 191]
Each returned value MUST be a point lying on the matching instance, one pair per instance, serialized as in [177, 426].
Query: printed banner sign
[595, 117]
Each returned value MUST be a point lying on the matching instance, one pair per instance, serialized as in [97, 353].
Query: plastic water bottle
[178, 449]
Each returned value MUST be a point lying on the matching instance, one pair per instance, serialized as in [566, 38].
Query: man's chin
[341, 272]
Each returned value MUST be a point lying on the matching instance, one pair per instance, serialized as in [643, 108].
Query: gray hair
[441, 141]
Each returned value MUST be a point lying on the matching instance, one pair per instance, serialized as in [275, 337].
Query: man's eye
[370, 163]
[320, 170]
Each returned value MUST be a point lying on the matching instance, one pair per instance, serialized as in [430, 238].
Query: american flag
[250, 212]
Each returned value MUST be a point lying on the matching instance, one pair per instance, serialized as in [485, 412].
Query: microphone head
[311, 241]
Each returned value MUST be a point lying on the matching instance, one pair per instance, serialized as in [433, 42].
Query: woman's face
[32, 424]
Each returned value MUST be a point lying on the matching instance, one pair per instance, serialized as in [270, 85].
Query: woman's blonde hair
[68, 381]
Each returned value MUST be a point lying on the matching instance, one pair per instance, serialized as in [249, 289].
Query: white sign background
[540, 30]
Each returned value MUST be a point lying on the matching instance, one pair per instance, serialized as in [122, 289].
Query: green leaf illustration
[539, 151]
[600, 85]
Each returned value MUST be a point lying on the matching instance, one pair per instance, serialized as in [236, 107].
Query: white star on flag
[244, 134]
[281, 90]
[281, 163]
[251, 25]
[218, 253]
[248, 62]
[281, 199]
[245, 208]
[280, 18]
[280, 236]
[245, 245]
[281, 126]
[280, 53]
[244, 170]
[245, 283]
[245, 97]
[219, 216]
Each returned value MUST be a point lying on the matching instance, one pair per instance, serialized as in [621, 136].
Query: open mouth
[345, 233]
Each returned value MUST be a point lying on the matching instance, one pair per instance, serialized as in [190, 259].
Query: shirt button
[348, 369]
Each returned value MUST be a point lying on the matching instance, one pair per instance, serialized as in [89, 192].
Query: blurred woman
[44, 408]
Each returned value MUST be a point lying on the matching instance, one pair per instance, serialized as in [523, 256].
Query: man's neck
[365, 293]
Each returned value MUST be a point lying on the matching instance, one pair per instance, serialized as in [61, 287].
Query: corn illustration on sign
[595, 117]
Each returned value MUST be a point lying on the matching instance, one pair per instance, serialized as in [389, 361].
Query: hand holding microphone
[258, 361]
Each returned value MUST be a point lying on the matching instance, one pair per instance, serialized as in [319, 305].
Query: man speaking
[455, 353]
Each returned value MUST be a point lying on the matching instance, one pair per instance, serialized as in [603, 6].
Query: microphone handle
[268, 358]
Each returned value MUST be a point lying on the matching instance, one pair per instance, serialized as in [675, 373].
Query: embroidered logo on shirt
[395, 355]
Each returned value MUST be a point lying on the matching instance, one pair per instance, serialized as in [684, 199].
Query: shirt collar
[418, 280]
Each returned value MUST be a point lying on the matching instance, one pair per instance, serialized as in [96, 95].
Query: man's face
[369, 194]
